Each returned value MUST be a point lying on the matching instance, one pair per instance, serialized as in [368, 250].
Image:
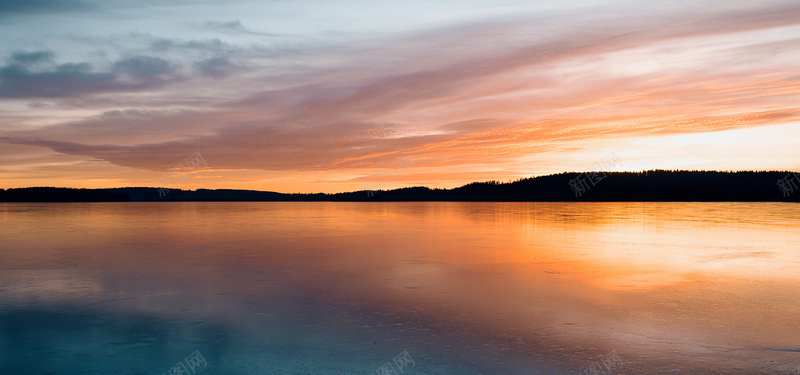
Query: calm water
[346, 288]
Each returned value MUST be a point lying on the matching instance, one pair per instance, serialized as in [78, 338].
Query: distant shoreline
[646, 186]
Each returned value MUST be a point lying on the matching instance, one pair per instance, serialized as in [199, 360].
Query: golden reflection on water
[708, 283]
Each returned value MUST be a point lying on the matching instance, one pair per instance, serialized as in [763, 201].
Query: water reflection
[345, 287]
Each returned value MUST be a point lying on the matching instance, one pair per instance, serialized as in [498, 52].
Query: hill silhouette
[653, 185]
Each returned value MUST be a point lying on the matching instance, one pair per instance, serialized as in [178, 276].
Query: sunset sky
[322, 96]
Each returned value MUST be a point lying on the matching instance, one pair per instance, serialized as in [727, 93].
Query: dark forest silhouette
[654, 185]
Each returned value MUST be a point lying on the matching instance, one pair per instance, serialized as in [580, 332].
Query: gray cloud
[32, 57]
[215, 67]
[70, 79]
[16, 81]
[211, 45]
[233, 27]
[144, 68]
[42, 6]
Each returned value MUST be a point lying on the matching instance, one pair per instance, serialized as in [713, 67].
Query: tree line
[651, 185]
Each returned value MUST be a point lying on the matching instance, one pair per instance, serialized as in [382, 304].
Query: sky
[330, 96]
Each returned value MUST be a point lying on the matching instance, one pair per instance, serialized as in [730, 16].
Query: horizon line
[498, 182]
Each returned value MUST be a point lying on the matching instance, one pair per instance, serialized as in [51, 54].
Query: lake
[399, 288]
